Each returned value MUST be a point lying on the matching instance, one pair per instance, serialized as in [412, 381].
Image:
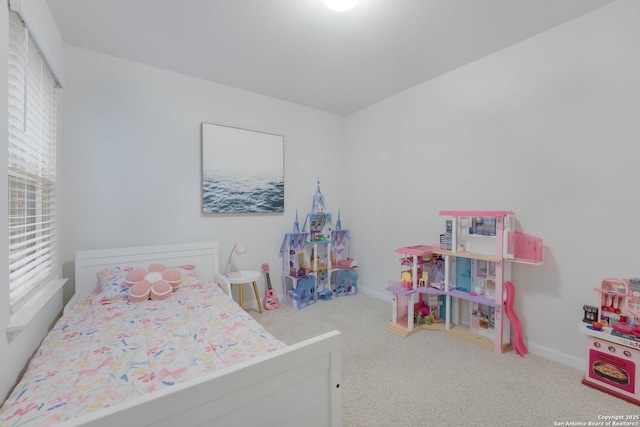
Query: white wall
[130, 146]
[547, 128]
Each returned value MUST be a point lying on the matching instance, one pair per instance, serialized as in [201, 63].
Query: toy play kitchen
[613, 343]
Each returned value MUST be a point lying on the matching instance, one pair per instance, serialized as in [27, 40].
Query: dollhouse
[416, 305]
[462, 285]
[316, 262]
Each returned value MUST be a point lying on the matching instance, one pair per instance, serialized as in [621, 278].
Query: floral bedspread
[99, 355]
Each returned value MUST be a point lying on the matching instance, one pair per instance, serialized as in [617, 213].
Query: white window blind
[31, 167]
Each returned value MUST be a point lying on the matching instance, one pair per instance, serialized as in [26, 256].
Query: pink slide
[518, 344]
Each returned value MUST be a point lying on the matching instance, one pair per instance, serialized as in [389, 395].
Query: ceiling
[302, 52]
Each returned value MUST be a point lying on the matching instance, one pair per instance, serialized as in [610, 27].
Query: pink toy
[622, 327]
[156, 283]
[518, 342]
[613, 340]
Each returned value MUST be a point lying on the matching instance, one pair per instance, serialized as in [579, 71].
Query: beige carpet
[431, 378]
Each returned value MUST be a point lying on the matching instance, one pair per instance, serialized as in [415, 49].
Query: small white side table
[242, 277]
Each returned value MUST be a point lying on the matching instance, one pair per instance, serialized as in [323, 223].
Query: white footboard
[294, 386]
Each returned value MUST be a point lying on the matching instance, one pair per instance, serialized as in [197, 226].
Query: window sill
[21, 319]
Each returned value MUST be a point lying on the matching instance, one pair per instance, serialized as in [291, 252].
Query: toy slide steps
[518, 343]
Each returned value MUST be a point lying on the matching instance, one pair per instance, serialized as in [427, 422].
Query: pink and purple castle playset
[316, 261]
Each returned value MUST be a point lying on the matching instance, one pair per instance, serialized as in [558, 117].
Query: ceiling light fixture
[340, 5]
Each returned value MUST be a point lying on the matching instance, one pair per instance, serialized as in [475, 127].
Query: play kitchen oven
[613, 366]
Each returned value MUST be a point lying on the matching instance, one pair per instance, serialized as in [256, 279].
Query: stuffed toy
[157, 283]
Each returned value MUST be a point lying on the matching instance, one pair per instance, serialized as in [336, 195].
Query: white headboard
[203, 255]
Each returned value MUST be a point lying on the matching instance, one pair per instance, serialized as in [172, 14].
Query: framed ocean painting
[242, 170]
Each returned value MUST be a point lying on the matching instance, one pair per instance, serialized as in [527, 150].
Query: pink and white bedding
[108, 350]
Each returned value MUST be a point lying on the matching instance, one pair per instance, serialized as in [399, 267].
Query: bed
[115, 362]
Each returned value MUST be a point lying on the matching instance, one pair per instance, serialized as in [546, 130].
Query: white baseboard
[557, 356]
[537, 349]
[383, 296]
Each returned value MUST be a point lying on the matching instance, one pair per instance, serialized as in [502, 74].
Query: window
[31, 167]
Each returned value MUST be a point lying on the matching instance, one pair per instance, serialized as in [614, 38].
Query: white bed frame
[297, 385]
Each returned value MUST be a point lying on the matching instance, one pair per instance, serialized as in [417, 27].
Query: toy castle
[316, 262]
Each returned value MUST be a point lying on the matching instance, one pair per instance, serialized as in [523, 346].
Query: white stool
[242, 277]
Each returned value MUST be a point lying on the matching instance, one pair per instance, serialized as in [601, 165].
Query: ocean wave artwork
[242, 194]
[242, 170]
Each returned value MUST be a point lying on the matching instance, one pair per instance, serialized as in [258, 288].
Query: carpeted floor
[431, 378]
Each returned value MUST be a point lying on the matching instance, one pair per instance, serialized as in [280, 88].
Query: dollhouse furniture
[613, 341]
[424, 280]
[316, 262]
[213, 361]
[477, 254]
[242, 277]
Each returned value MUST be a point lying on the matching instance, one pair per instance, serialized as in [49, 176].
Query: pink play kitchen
[613, 343]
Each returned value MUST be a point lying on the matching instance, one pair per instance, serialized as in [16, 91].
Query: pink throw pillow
[161, 290]
[140, 291]
[173, 277]
[135, 275]
[157, 268]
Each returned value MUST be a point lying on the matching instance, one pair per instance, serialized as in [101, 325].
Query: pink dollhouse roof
[420, 250]
[496, 214]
